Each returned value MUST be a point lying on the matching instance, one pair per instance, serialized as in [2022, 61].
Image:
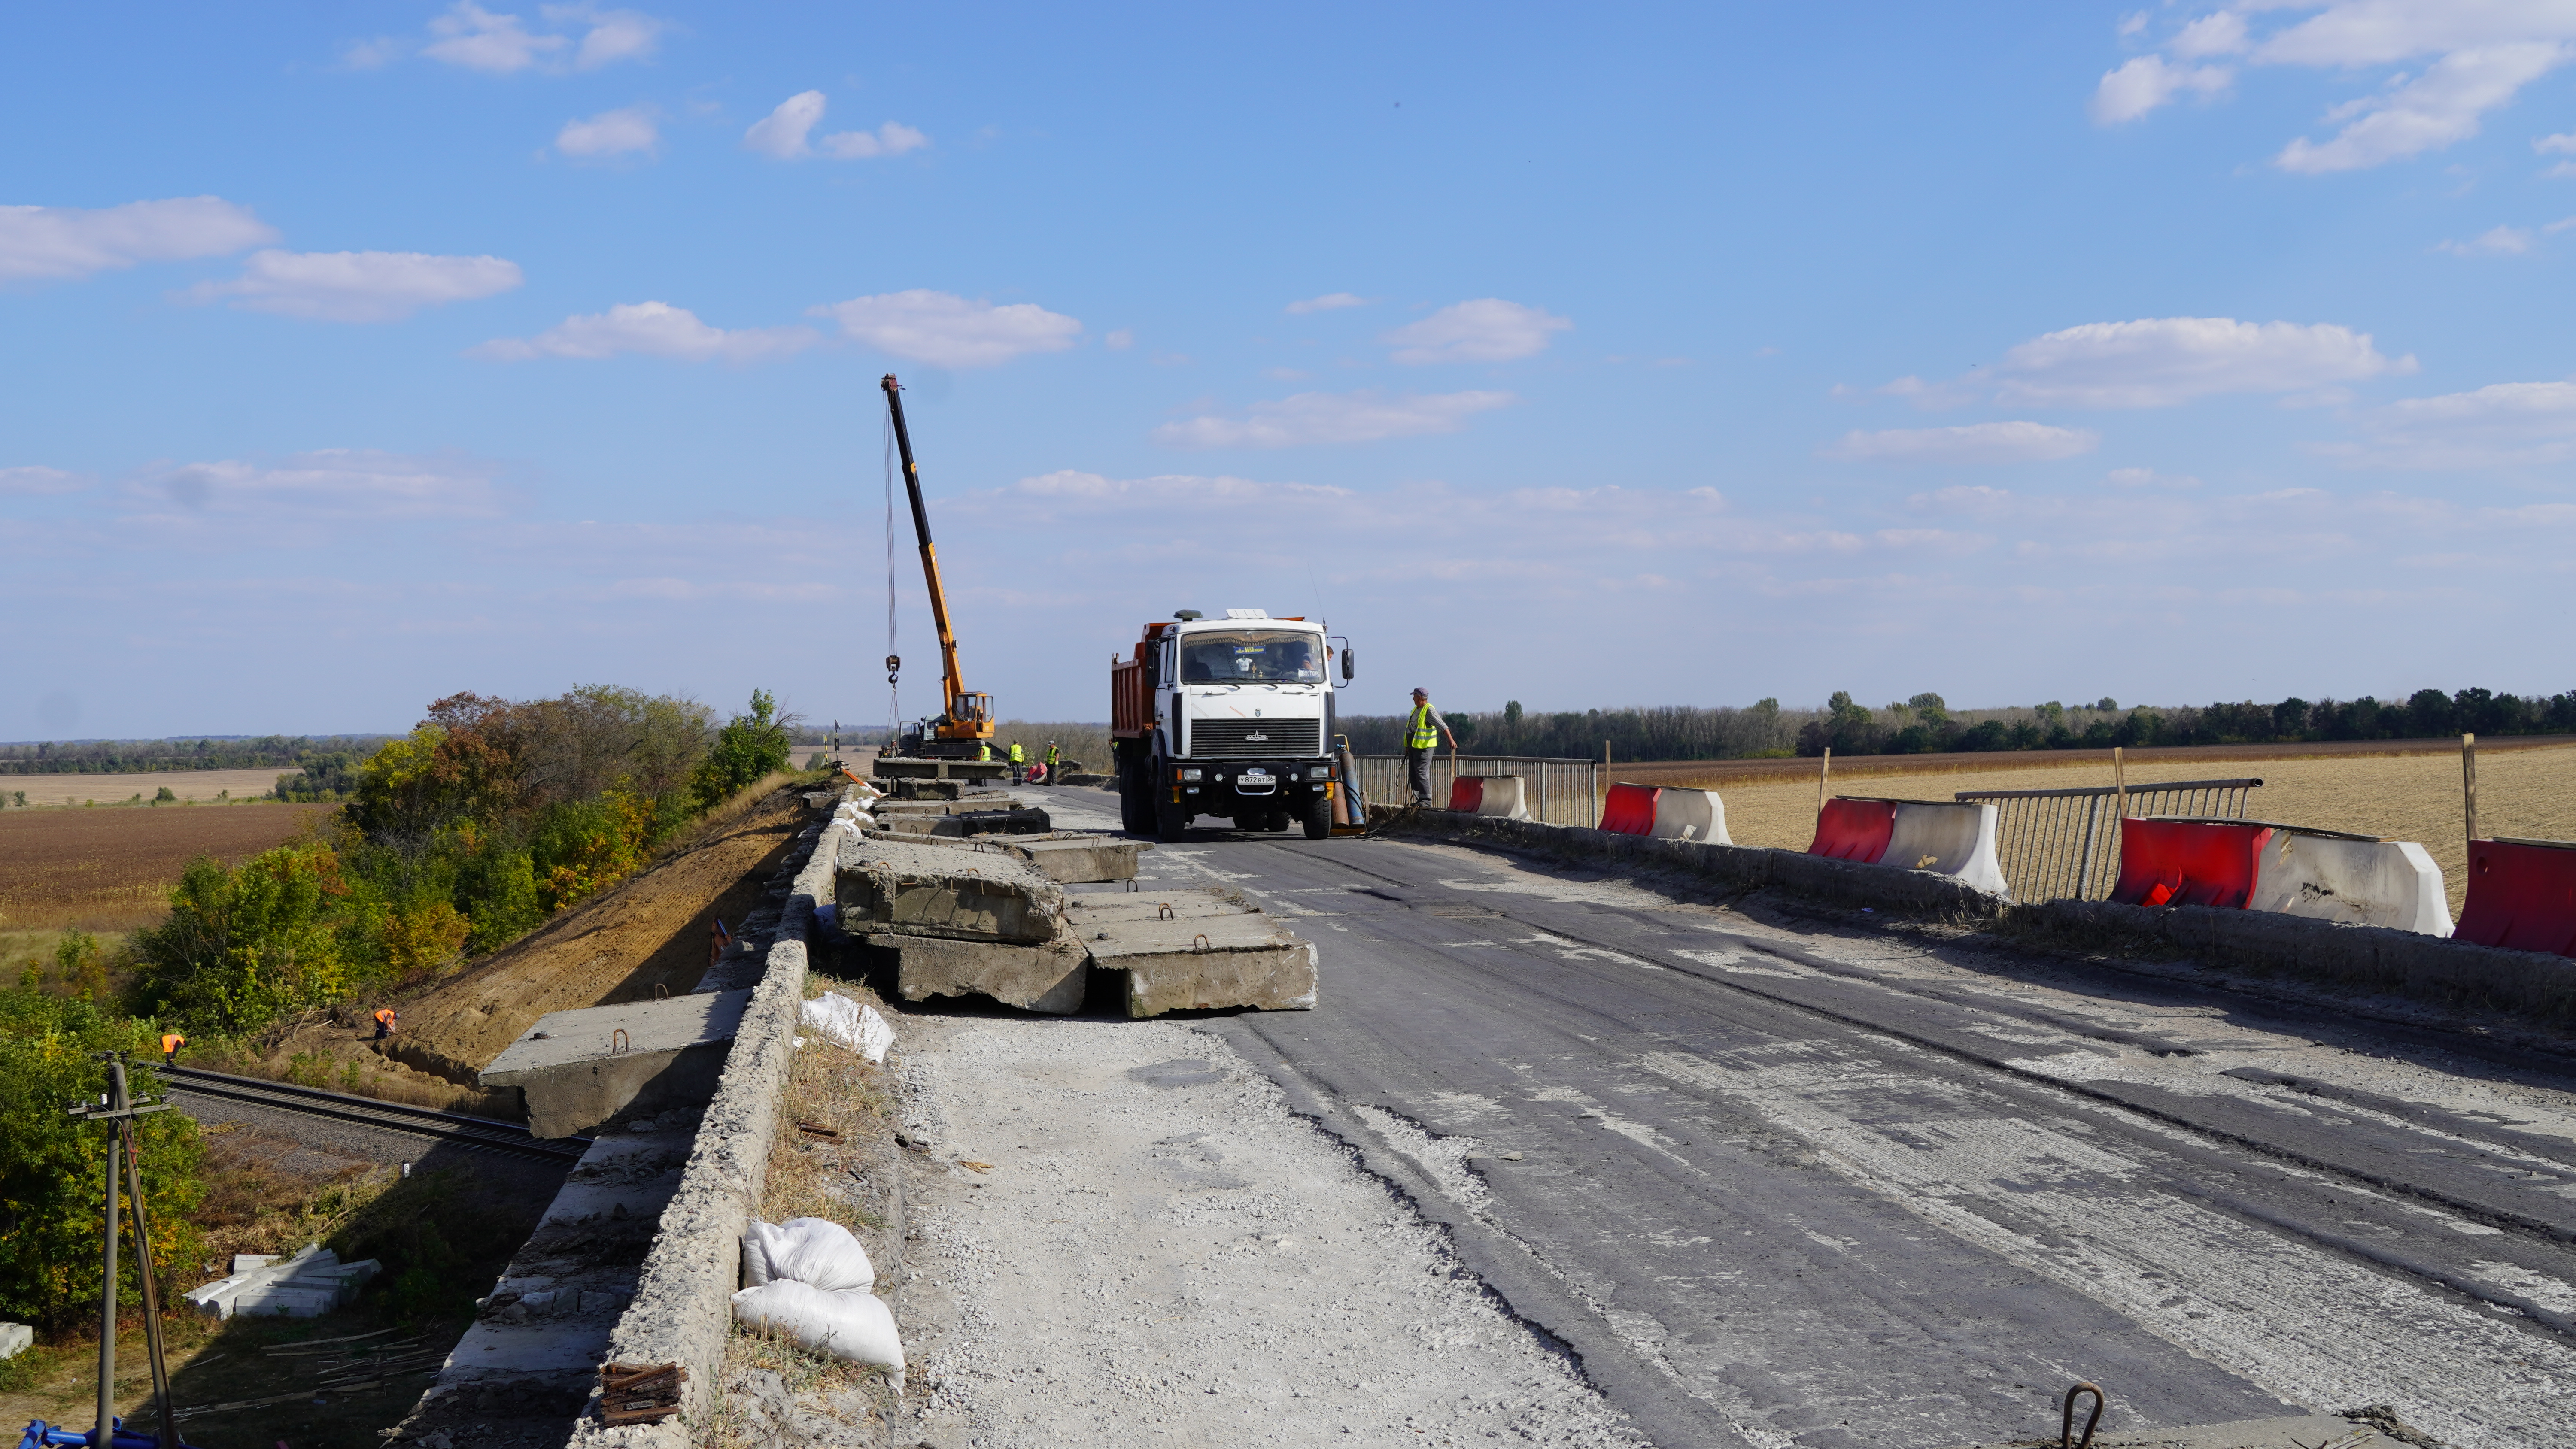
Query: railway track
[482, 1134]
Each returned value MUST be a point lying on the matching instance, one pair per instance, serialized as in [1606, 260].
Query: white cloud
[357, 286]
[1120, 340]
[2148, 82]
[2148, 478]
[475, 38]
[2502, 241]
[652, 329]
[1320, 417]
[614, 35]
[28, 481]
[2482, 53]
[2016, 442]
[1329, 302]
[2161, 361]
[612, 133]
[783, 132]
[2431, 110]
[891, 139]
[2560, 145]
[65, 241]
[946, 330]
[342, 482]
[1488, 329]
[2506, 424]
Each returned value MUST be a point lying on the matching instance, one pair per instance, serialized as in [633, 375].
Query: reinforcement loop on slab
[2066, 1423]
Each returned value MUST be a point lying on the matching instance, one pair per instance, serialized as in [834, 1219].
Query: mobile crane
[965, 722]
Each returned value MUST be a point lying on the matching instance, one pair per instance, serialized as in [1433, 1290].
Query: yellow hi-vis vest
[1053, 754]
[1422, 736]
[984, 751]
[1016, 756]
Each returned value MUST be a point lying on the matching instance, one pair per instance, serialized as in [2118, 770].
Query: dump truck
[1229, 717]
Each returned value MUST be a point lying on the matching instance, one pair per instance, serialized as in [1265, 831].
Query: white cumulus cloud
[1329, 302]
[2161, 361]
[2464, 58]
[946, 330]
[2506, 424]
[891, 139]
[478, 39]
[2148, 82]
[652, 329]
[67, 241]
[612, 133]
[2015, 442]
[357, 286]
[784, 132]
[1323, 417]
[1488, 329]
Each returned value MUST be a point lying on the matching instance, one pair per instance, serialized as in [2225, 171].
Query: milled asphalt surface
[1794, 1181]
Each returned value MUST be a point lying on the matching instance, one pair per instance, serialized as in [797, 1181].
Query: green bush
[52, 1166]
[748, 747]
[244, 946]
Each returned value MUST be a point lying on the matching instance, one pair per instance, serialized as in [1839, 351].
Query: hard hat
[1418, 689]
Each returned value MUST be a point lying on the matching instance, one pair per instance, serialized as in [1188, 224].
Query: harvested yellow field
[2525, 792]
[60, 790]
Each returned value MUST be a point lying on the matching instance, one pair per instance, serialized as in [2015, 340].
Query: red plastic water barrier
[2188, 863]
[1630, 810]
[1467, 793]
[2521, 897]
[1854, 829]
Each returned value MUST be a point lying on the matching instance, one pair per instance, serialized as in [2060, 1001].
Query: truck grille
[1243, 739]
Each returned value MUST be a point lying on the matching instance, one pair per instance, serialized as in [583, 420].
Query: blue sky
[363, 354]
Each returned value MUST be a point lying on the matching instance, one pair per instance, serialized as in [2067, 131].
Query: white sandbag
[816, 1252]
[852, 1324]
[849, 828]
[846, 809]
[852, 1025]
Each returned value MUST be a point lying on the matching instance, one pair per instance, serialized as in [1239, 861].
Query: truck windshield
[1251, 656]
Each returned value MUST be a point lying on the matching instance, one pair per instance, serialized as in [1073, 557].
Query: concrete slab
[2305, 1431]
[1024, 821]
[887, 769]
[884, 884]
[1049, 978]
[1071, 859]
[1208, 954]
[579, 1068]
[955, 804]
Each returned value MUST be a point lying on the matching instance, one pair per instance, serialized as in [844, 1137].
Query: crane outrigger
[965, 722]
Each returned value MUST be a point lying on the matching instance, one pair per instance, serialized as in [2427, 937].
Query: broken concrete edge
[2441, 971]
[683, 1308]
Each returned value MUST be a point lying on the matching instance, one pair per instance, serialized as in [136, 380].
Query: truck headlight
[1192, 775]
[1320, 772]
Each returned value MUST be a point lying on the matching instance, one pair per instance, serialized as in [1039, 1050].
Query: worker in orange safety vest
[385, 1021]
[171, 1041]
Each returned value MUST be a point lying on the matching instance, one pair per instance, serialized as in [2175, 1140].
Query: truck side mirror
[1347, 665]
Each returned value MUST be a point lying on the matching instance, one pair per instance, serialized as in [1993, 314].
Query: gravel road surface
[1785, 1181]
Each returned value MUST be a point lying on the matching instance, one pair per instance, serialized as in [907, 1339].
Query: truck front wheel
[1171, 821]
[1319, 817]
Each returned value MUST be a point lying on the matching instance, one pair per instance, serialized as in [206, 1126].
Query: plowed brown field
[112, 869]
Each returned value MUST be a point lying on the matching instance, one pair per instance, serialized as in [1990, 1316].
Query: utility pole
[124, 1155]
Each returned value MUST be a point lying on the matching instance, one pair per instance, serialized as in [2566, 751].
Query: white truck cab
[1229, 717]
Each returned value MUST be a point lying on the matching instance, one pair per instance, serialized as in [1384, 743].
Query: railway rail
[482, 1134]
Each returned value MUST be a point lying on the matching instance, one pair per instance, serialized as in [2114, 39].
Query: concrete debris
[579, 1068]
[307, 1285]
[1048, 978]
[886, 884]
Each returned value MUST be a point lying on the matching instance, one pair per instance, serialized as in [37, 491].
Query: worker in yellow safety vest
[984, 752]
[1422, 733]
[1019, 764]
[1054, 759]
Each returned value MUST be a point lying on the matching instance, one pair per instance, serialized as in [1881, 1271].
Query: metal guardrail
[1559, 791]
[2065, 844]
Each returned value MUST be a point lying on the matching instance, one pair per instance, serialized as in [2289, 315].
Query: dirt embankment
[650, 930]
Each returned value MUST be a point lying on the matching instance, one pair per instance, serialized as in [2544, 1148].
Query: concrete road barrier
[1849, 829]
[1688, 815]
[2522, 896]
[2189, 862]
[2354, 880]
[1946, 838]
[1629, 810]
[1496, 797]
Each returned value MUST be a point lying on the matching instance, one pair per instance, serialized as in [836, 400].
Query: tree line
[1925, 724]
[144, 757]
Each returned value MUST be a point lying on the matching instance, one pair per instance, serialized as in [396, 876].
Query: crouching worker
[384, 1022]
[171, 1041]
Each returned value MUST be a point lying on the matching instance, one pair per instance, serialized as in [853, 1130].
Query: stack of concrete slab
[981, 813]
[261, 1285]
[1194, 951]
[996, 921]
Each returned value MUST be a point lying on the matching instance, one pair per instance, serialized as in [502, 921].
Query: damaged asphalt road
[1779, 1181]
